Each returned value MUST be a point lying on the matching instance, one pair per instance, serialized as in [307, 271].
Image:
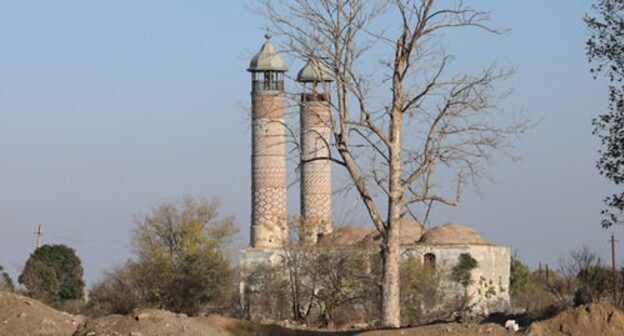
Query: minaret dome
[267, 68]
[314, 72]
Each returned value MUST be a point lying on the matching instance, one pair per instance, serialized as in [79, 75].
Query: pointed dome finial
[267, 59]
[267, 35]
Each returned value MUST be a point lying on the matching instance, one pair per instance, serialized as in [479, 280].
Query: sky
[108, 108]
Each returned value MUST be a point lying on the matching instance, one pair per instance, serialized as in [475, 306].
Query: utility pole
[547, 275]
[613, 269]
[39, 234]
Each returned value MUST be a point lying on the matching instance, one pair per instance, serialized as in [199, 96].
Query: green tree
[6, 283]
[199, 279]
[462, 271]
[41, 280]
[519, 277]
[180, 264]
[54, 272]
[605, 50]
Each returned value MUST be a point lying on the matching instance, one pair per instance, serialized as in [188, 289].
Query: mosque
[439, 246]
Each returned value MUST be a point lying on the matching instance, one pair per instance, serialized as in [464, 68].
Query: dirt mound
[592, 319]
[163, 323]
[444, 329]
[20, 315]
[233, 327]
[145, 322]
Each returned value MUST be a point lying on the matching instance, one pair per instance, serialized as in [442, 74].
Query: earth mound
[145, 322]
[20, 315]
[164, 323]
[444, 329]
[591, 319]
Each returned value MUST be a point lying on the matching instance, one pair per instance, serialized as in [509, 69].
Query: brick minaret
[315, 150]
[268, 162]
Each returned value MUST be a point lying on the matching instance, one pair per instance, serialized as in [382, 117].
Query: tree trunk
[390, 253]
[391, 250]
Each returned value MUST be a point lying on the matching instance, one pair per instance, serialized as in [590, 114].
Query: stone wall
[489, 291]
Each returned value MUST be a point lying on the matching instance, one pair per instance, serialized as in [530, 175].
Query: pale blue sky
[108, 108]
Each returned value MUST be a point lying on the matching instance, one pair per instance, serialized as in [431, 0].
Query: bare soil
[592, 319]
[24, 316]
[166, 324]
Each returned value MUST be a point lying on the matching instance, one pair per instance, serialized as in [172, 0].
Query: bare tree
[404, 126]
[580, 278]
[322, 284]
[324, 277]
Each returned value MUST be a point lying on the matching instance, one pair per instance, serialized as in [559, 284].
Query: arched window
[430, 261]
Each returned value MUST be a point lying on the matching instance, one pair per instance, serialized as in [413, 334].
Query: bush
[53, 273]
[462, 271]
[198, 279]
[179, 264]
[117, 293]
[6, 283]
[537, 298]
[520, 277]
[422, 297]
[595, 282]
[580, 278]
[267, 292]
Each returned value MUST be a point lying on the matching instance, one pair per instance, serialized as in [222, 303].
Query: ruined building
[439, 247]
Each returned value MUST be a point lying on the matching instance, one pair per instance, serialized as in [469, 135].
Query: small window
[430, 261]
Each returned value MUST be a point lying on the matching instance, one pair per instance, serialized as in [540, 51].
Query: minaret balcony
[314, 97]
[262, 85]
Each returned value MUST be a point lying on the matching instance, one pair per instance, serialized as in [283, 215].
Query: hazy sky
[108, 108]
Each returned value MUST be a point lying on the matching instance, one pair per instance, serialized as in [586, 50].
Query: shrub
[422, 297]
[520, 277]
[179, 264]
[6, 283]
[53, 273]
[462, 271]
[117, 293]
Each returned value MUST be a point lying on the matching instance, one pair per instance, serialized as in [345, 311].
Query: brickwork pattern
[268, 214]
[315, 174]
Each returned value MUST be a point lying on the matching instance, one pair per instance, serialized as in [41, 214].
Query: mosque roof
[411, 232]
[452, 234]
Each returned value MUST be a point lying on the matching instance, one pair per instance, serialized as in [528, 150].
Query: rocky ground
[22, 316]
